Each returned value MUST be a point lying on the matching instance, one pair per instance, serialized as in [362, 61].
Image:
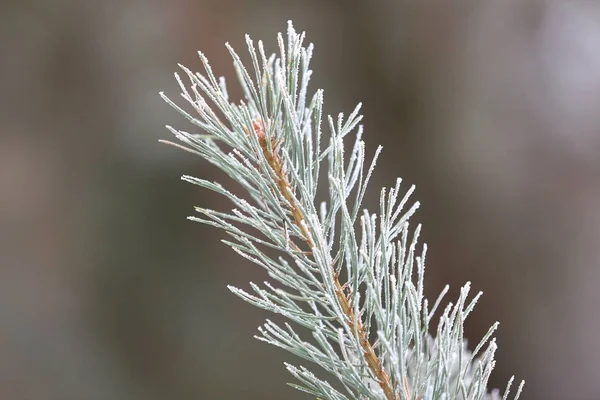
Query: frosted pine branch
[359, 289]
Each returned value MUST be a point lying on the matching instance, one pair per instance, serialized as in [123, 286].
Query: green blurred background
[106, 292]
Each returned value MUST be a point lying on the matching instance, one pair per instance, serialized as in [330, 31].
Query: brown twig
[276, 163]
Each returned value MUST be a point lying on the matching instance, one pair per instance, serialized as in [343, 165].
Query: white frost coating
[376, 255]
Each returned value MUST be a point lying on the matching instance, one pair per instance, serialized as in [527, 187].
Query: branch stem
[375, 365]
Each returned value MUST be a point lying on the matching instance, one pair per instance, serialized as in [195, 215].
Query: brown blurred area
[106, 292]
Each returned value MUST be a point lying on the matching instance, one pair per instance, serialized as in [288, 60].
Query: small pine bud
[259, 129]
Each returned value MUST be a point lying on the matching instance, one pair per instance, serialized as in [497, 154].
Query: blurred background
[106, 292]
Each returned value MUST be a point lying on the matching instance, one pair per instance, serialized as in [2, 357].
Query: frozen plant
[352, 278]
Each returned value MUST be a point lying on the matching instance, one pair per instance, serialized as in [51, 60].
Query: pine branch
[371, 327]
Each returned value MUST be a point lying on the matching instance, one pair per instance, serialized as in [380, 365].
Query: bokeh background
[492, 108]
